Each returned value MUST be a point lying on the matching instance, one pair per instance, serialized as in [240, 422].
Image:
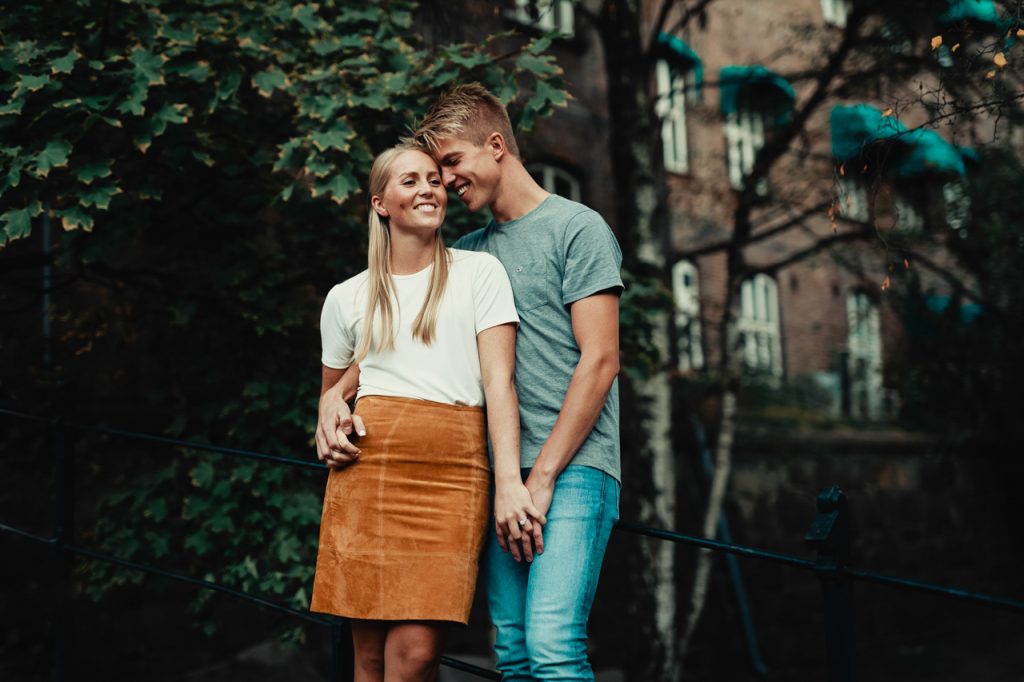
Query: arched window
[556, 180]
[759, 324]
[671, 109]
[546, 15]
[686, 293]
[864, 360]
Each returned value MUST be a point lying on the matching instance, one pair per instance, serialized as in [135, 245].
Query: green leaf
[31, 84]
[54, 155]
[91, 171]
[266, 81]
[75, 217]
[227, 86]
[13, 107]
[200, 542]
[202, 474]
[18, 222]
[65, 64]
[157, 509]
[148, 66]
[136, 97]
[249, 564]
[169, 113]
[98, 197]
[338, 188]
[334, 139]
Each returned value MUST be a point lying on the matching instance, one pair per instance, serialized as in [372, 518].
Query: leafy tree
[203, 163]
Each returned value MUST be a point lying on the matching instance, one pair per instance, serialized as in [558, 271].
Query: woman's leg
[413, 652]
[368, 640]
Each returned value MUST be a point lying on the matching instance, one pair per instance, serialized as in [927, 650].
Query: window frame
[547, 174]
[745, 137]
[686, 299]
[835, 12]
[670, 107]
[552, 15]
[864, 356]
[760, 325]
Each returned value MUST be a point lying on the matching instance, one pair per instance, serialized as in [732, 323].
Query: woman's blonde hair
[381, 289]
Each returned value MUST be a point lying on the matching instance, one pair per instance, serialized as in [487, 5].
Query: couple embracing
[511, 336]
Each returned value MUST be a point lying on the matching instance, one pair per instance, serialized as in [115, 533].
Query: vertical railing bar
[64, 535]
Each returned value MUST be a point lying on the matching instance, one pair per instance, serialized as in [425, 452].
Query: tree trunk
[649, 468]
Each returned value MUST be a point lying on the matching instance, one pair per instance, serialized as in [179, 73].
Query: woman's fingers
[357, 423]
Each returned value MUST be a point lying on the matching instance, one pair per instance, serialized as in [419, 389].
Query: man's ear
[378, 206]
[496, 145]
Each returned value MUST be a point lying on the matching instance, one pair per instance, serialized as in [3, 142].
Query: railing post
[342, 656]
[64, 534]
[829, 536]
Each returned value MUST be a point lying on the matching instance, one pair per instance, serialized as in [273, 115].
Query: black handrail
[828, 536]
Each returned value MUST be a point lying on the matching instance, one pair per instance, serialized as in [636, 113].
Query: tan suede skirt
[403, 525]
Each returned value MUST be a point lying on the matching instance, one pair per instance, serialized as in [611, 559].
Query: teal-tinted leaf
[249, 564]
[169, 113]
[288, 550]
[228, 85]
[66, 103]
[98, 197]
[95, 169]
[338, 188]
[221, 523]
[136, 97]
[306, 15]
[31, 84]
[197, 71]
[54, 155]
[13, 177]
[157, 509]
[200, 542]
[185, 35]
[13, 107]
[318, 166]
[337, 138]
[148, 65]
[540, 65]
[376, 99]
[74, 218]
[266, 81]
[288, 155]
[203, 157]
[65, 64]
[18, 222]
[202, 474]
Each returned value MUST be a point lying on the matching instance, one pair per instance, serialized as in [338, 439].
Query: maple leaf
[886, 282]
[936, 42]
[1000, 60]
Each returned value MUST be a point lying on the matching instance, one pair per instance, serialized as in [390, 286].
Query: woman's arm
[516, 518]
[334, 419]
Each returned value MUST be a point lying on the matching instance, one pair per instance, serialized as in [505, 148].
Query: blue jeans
[540, 609]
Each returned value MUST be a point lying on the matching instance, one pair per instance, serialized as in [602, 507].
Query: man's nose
[447, 177]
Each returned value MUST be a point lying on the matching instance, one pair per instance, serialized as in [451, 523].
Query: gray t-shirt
[558, 253]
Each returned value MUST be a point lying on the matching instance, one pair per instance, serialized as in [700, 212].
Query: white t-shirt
[478, 296]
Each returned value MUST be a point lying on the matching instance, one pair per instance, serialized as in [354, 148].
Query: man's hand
[518, 523]
[541, 492]
[335, 426]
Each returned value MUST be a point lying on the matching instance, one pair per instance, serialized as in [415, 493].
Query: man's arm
[335, 420]
[595, 324]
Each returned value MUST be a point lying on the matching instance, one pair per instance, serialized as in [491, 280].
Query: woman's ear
[378, 206]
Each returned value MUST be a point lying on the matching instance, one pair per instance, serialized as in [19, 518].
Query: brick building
[721, 85]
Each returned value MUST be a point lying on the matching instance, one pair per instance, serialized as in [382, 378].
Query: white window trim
[550, 15]
[687, 316]
[907, 214]
[853, 199]
[958, 204]
[547, 176]
[759, 324]
[670, 107]
[835, 12]
[744, 134]
[864, 360]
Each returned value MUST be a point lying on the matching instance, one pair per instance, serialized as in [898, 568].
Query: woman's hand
[518, 523]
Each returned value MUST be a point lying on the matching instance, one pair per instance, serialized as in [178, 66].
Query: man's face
[469, 170]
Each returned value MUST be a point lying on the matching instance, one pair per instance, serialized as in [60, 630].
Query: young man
[563, 262]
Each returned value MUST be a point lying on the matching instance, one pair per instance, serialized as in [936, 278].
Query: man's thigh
[563, 579]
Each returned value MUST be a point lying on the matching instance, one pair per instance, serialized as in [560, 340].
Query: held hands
[518, 522]
[334, 426]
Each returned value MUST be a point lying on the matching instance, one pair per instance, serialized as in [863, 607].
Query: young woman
[433, 332]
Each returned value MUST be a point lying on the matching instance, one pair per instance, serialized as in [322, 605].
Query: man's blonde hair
[468, 111]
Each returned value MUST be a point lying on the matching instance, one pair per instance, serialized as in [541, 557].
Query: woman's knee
[413, 653]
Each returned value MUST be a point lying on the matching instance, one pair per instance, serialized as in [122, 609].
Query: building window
[958, 204]
[686, 292]
[744, 134]
[556, 180]
[853, 199]
[835, 12]
[546, 15]
[759, 325]
[907, 213]
[671, 109]
[864, 359]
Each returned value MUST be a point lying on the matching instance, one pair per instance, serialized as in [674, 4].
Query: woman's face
[414, 198]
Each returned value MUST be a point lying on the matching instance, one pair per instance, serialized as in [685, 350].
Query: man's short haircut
[468, 111]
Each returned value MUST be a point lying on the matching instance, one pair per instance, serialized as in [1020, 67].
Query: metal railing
[828, 536]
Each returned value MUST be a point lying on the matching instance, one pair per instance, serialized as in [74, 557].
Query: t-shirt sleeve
[592, 258]
[336, 338]
[493, 302]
